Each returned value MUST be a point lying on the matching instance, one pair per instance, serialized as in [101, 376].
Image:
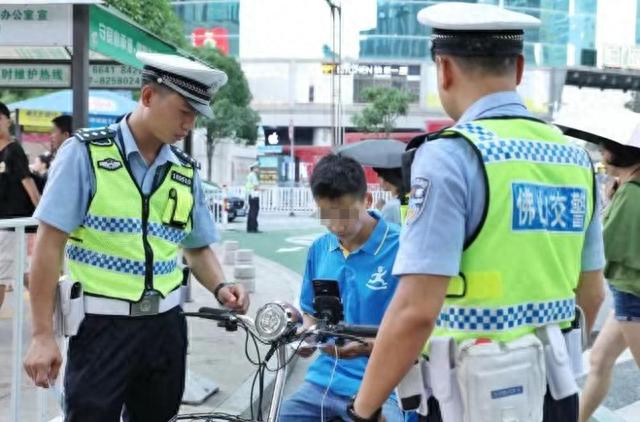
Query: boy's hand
[350, 350]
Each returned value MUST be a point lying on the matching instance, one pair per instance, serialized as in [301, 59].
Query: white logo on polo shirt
[376, 282]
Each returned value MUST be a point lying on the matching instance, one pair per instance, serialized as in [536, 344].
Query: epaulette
[184, 157]
[425, 137]
[96, 136]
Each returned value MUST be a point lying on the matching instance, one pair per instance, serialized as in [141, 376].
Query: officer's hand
[351, 350]
[43, 360]
[234, 297]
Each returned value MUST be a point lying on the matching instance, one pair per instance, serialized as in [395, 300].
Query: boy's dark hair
[5, 110]
[622, 155]
[336, 176]
[63, 123]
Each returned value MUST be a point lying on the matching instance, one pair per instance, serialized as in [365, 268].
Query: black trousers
[133, 362]
[565, 410]
[252, 218]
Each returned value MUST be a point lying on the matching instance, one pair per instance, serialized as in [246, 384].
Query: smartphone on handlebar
[326, 288]
[327, 304]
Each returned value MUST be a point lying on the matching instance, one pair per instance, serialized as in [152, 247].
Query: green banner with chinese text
[119, 39]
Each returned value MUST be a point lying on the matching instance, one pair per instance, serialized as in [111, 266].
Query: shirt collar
[492, 105]
[375, 241]
[131, 147]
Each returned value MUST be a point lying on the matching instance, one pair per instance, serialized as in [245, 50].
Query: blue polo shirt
[366, 288]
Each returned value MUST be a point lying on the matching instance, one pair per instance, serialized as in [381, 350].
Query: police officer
[253, 196]
[503, 234]
[121, 202]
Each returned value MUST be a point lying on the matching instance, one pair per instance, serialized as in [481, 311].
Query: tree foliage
[233, 115]
[156, 16]
[385, 106]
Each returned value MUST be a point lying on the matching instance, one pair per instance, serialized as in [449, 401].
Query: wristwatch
[217, 290]
[357, 418]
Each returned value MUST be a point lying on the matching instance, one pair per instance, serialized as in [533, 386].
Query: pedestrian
[252, 189]
[40, 170]
[622, 270]
[391, 181]
[18, 196]
[120, 203]
[501, 241]
[61, 131]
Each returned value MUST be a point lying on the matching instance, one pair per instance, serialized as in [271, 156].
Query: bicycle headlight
[276, 319]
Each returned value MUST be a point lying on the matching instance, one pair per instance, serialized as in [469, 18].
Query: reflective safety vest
[519, 270]
[129, 241]
[404, 207]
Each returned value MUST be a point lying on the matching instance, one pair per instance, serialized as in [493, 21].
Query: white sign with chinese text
[35, 75]
[36, 25]
[25, 75]
[621, 56]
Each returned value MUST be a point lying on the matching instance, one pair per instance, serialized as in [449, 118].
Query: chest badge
[109, 164]
[376, 281]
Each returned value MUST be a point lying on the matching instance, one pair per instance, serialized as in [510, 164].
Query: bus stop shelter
[73, 45]
[77, 44]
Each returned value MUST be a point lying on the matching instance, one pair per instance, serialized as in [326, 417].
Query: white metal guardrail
[277, 200]
[17, 373]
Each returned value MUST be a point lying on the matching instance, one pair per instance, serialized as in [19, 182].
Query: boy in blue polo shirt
[358, 252]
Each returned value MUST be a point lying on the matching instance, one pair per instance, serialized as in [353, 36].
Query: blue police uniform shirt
[366, 288]
[71, 184]
[454, 202]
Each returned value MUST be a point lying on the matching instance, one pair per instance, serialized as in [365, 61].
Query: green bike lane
[286, 247]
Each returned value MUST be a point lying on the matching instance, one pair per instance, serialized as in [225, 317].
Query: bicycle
[276, 325]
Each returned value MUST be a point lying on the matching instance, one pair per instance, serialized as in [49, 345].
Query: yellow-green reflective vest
[129, 241]
[521, 267]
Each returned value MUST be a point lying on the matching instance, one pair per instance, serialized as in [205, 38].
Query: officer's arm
[590, 295]
[206, 267]
[46, 265]
[406, 326]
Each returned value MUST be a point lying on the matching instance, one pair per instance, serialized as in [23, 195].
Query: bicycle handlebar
[215, 314]
[368, 331]
[230, 320]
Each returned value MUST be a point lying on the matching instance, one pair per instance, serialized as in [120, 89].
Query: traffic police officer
[502, 221]
[253, 197]
[124, 200]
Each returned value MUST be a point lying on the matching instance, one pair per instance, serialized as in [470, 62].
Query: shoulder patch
[420, 188]
[100, 136]
[184, 157]
[109, 164]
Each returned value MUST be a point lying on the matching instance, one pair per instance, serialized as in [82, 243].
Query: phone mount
[328, 308]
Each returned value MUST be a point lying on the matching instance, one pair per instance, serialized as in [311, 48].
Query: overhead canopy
[104, 108]
[40, 42]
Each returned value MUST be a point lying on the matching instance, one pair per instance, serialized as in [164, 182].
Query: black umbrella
[379, 153]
